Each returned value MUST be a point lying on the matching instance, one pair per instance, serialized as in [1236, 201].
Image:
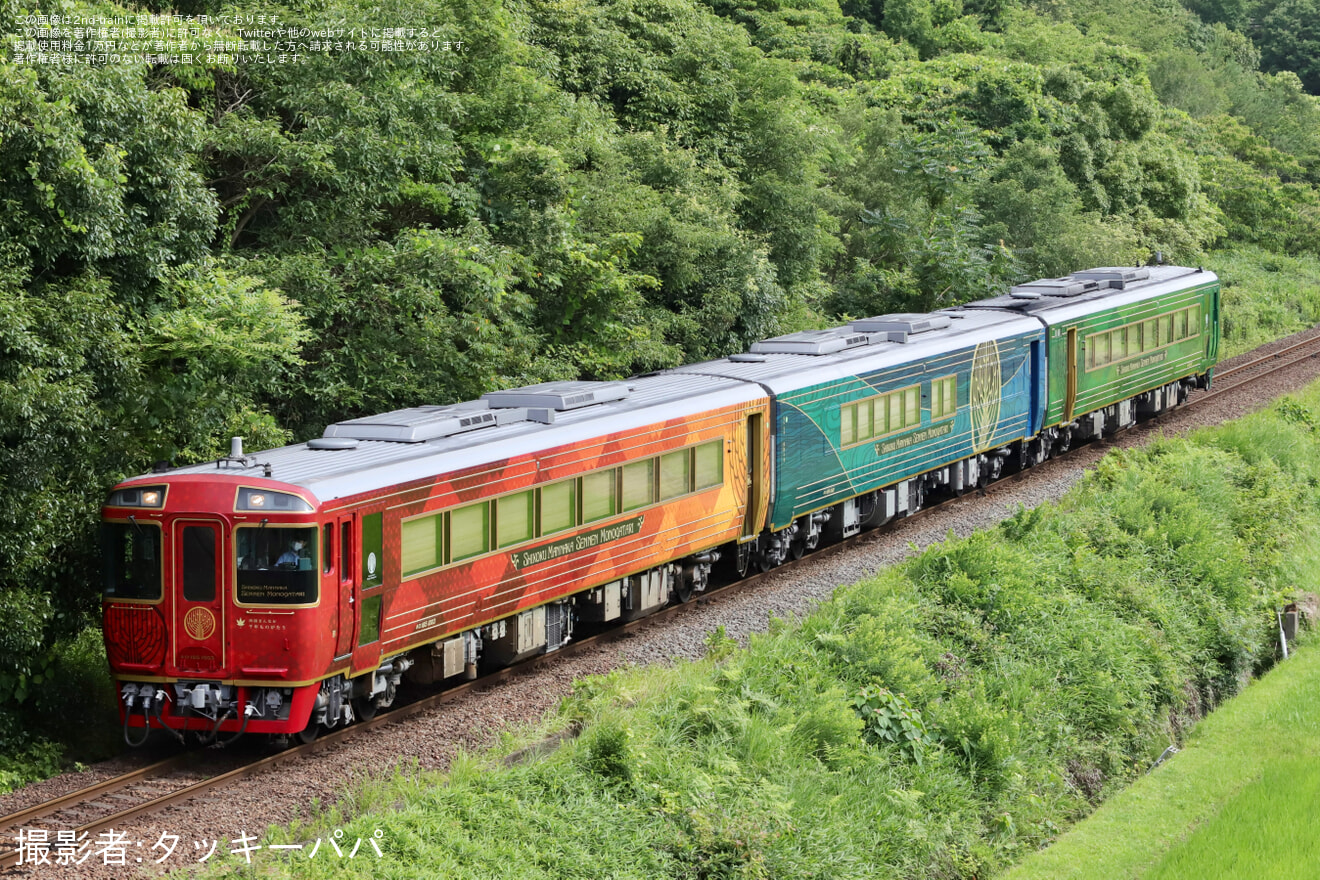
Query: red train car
[291, 589]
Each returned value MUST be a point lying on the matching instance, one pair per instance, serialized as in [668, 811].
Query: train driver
[291, 556]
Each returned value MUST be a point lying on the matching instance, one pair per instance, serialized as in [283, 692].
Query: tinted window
[513, 518]
[558, 507]
[276, 566]
[131, 560]
[598, 496]
[638, 484]
[469, 531]
[199, 563]
[675, 474]
[710, 464]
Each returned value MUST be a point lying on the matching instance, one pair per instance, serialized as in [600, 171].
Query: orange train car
[291, 590]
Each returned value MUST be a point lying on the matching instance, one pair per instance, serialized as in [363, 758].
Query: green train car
[1121, 343]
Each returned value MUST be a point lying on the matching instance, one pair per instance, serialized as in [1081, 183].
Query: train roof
[800, 360]
[1055, 300]
[375, 452]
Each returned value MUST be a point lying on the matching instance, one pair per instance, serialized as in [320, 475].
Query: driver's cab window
[276, 565]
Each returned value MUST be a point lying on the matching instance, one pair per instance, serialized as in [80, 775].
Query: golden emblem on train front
[199, 623]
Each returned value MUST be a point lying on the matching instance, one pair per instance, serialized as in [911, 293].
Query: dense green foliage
[577, 188]
[941, 720]
[1286, 31]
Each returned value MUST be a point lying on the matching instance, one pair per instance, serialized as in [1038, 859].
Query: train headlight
[138, 496]
[266, 499]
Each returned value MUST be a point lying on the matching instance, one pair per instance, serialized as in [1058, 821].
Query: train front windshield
[131, 560]
[276, 566]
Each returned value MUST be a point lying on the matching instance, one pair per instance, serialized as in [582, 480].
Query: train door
[199, 608]
[1037, 370]
[340, 542]
[755, 485]
[369, 593]
[1070, 394]
[1212, 341]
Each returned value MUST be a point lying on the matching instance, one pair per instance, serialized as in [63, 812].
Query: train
[293, 590]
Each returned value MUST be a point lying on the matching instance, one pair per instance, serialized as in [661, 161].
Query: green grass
[1265, 831]
[1238, 802]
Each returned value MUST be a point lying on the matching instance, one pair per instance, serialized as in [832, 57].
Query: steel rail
[1310, 340]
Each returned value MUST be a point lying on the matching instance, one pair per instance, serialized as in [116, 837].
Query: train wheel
[683, 592]
[1064, 443]
[364, 708]
[797, 545]
[309, 733]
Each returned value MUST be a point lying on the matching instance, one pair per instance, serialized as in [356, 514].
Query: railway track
[113, 802]
[1262, 366]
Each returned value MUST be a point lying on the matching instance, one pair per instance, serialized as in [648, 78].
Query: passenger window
[1194, 321]
[598, 496]
[912, 407]
[848, 425]
[329, 542]
[1166, 329]
[675, 474]
[709, 464]
[639, 484]
[558, 507]
[513, 518]
[469, 531]
[943, 398]
[1180, 325]
[421, 544]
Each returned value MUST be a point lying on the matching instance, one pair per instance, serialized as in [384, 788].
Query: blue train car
[870, 416]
